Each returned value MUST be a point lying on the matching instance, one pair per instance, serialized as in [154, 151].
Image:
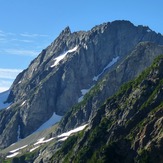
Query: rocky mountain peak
[70, 67]
[66, 31]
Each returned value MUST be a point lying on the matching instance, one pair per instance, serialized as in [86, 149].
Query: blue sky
[28, 26]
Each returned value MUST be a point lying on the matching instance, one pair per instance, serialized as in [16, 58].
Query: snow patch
[66, 134]
[54, 119]
[12, 155]
[15, 150]
[114, 60]
[84, 91]
[62, 56]
[34, 148]
[85, 46]
[18, 133]
[8, 107]
[12, 144]
[95, 78]
[3, 98]
[63, 139]
[102, 30]
[148, 30]
[41, 141]
[23, 103]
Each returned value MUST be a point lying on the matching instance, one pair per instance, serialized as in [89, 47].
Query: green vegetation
[109, 141]
[143, 157]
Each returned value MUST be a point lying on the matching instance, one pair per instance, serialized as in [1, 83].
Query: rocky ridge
[139, 59]
[83, 112]
[126, 128]
[54, 80]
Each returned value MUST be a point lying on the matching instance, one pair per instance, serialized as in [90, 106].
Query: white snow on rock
[63, 139]
[8, 107]
[34, 148]
[12, 144]
[66, 134]
[148, 30]
[18, 133]
[84, 91]
[85, 46]
[12, 155]
[15, 150]
[54, 119]
[41, 141]
[23, 103]
[114, 60]
[3, 98]
[62, 56]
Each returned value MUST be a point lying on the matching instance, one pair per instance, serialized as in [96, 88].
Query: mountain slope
[58, 78]
[140, 58]
[127, 128]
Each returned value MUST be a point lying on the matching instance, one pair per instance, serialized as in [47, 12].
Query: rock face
[75, 62]
[141, 57]
[126, 128]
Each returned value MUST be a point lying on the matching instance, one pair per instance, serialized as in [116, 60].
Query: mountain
[83, 113]
[126, 128]
[74, 76]
[140, 58]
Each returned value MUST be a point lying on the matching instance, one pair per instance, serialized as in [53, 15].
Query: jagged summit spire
[66, 31]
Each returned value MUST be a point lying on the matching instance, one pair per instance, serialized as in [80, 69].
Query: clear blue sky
[28, 26]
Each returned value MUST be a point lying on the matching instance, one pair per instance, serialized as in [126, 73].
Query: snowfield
[67, 134]
[62, 56]
[39, 142]
[34, 148]
[84, 91]
[15, 150]
[54, 119]
[3, 98]
[114, 60]
[12, 155]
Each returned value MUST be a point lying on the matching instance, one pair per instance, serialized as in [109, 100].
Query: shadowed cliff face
[73, 62]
